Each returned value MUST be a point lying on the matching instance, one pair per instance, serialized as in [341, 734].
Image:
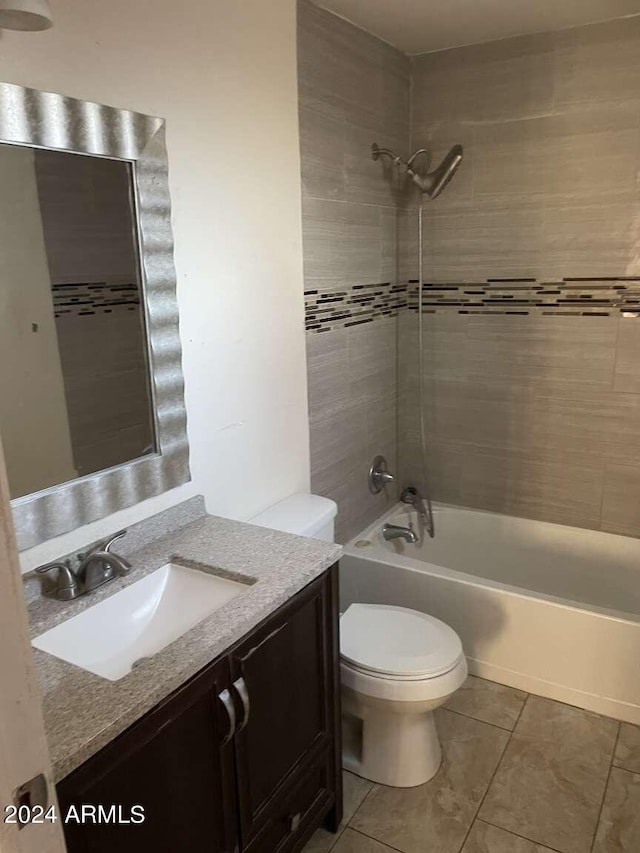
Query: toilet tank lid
[302, 514]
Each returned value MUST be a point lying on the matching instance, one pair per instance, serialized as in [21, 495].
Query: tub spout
[396, 531]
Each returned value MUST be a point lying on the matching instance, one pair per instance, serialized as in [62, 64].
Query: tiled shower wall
[534, 414]
[354, 90]
[531, 409]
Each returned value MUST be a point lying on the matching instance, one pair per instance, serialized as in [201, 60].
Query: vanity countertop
[83, 711]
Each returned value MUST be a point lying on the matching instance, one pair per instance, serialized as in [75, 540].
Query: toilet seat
[402, 690]
[395, 643]
[392, 676]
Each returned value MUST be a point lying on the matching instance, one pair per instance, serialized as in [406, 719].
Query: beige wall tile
[512, 77]
[590, 238]
[477, 240]
[597, 63]
[341, 241]
[586, 152]
[547, 491]
[534, 416]
[336, 59]
[354, 91]
[337, 437]
[627, 374]
[322, 154]
[327, 372]
[621, 499]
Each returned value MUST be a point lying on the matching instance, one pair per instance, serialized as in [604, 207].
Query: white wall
[224, 77]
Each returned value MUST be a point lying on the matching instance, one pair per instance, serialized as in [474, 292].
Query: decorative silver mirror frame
[45, 120]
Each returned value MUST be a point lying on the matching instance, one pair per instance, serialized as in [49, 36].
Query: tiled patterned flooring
[520, 774]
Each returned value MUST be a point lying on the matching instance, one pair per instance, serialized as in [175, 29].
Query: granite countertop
[83, 711]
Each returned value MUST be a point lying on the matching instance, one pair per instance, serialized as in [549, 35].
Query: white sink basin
[137, 622]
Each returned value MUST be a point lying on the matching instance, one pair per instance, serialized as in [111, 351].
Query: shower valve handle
[379, 477]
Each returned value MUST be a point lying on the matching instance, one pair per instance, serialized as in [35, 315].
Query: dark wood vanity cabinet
[261, 782]
[287, 669]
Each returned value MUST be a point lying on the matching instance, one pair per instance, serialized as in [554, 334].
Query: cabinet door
[176, 765]
[283, 682]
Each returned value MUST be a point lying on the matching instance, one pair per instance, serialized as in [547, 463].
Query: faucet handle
[379, 476]
[106, 546]
[106, 549]
[66, 587]
[103, 546]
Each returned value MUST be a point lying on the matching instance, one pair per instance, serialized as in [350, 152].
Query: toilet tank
[302, 514]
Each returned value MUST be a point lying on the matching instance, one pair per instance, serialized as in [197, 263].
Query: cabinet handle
[243, 693]
[294, 821]
[227, 701]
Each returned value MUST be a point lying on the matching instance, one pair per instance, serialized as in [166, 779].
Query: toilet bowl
[397, 666]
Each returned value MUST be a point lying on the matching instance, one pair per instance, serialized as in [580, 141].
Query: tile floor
[520, 774]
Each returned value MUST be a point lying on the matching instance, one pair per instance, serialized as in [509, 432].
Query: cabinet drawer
[296, 809]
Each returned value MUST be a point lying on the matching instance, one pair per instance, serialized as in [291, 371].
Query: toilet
[397, 666]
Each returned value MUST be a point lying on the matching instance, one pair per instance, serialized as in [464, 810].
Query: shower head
[434, 182]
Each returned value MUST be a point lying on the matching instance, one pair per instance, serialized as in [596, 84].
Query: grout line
[493, 776]
[336, 838]
[524, 704]
[346, 823]
[362, 802]
[377, 840]
[605, 789]
[393, 207]
[524, 837]
[486, 722]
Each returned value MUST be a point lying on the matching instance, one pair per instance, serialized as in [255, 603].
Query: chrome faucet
[98, 566]
[396, 531]
[412, 496]
[66, 584]
[379, 476]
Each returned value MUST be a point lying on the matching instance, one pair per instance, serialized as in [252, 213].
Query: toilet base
[400, 750]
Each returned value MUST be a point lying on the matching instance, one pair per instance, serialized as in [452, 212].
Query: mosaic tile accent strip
[573, 297]
[82, 300]
[327, 309]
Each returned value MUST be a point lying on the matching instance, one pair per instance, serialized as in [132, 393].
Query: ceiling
[420, 26]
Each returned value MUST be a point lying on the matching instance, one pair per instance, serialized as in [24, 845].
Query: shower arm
[424, 182]
[411, 160]
[377, 152]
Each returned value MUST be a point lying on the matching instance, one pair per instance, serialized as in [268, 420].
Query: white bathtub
[550, 609]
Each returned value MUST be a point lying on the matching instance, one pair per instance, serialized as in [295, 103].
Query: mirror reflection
[74, 377]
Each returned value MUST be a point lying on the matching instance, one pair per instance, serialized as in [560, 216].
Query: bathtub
[545, 608]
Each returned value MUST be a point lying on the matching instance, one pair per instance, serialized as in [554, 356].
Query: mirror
[74, 374]
[92, 414]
